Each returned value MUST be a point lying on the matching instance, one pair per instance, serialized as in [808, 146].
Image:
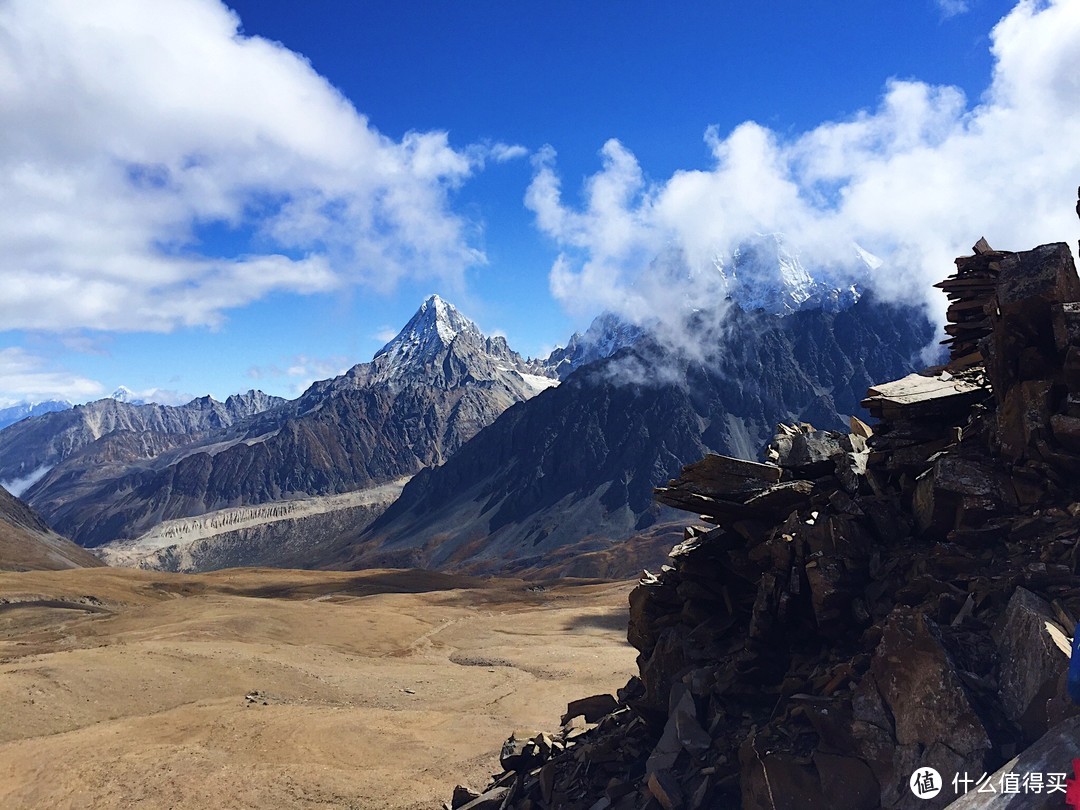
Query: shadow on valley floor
[614, 619]
[291, 584]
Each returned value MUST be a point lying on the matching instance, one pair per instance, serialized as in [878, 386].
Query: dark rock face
[1031, 664]
[582, 459]
[933, 717]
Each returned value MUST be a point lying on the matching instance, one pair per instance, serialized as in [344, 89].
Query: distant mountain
[31, 448]
[606, 335]
[765, 272]
[125, 394]
[24, 410]
[426, 393]
[442, 349]
[576, 465]
[27, 544]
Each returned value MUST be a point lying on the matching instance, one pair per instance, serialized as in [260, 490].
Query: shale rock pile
[862, 605]
[969, 290]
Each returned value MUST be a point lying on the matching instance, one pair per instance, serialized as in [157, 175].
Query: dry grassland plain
[257, 688]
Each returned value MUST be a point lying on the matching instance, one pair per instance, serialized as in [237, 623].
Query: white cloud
[502, 152]
[25, 377]
[953, 8]
[302, 371]
[384, 334]
[126, 127]
[95, 344]
[161, 396]
[915, 181]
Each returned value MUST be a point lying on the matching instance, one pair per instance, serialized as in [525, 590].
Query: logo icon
[925, 783]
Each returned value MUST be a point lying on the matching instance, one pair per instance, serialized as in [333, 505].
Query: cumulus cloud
[129, 130]
[915, 181]
[26, 377]
[502, 152]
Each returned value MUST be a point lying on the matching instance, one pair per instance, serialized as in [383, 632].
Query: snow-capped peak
[125, 394]
[434, 326]
[606, 335]
[764, 272]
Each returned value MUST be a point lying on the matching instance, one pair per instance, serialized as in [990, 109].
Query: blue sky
[210, 198]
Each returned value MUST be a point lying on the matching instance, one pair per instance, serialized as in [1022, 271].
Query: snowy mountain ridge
[765, 272]
[606, 335]
[442, 347]
[11, 414]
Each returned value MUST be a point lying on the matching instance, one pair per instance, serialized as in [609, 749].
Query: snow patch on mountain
[432, 329]
[125, 394]
[539, 383]
[606, 335]
[11, 414]
[766, 273]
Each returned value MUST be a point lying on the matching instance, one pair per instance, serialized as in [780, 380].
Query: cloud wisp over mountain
[159, 167]
[915, 181]
[37, 380]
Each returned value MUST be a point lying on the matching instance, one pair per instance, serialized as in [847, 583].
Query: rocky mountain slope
[579, 462]
[29, 449]
[28, 544]
[421, 397]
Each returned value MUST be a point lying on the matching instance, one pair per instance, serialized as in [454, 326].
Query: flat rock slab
[1057, 752]
[714, 466]
[918, 393]
[1031, 662]
[592, 708]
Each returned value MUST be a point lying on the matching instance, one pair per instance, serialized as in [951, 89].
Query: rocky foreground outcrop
[867, 605]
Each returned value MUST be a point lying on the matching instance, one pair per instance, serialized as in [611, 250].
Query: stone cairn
[862, 605]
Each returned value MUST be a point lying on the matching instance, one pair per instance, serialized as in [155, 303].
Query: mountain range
[11, 414]
[575, 467]
[517, 462]
[111, 472]
[34, 447]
